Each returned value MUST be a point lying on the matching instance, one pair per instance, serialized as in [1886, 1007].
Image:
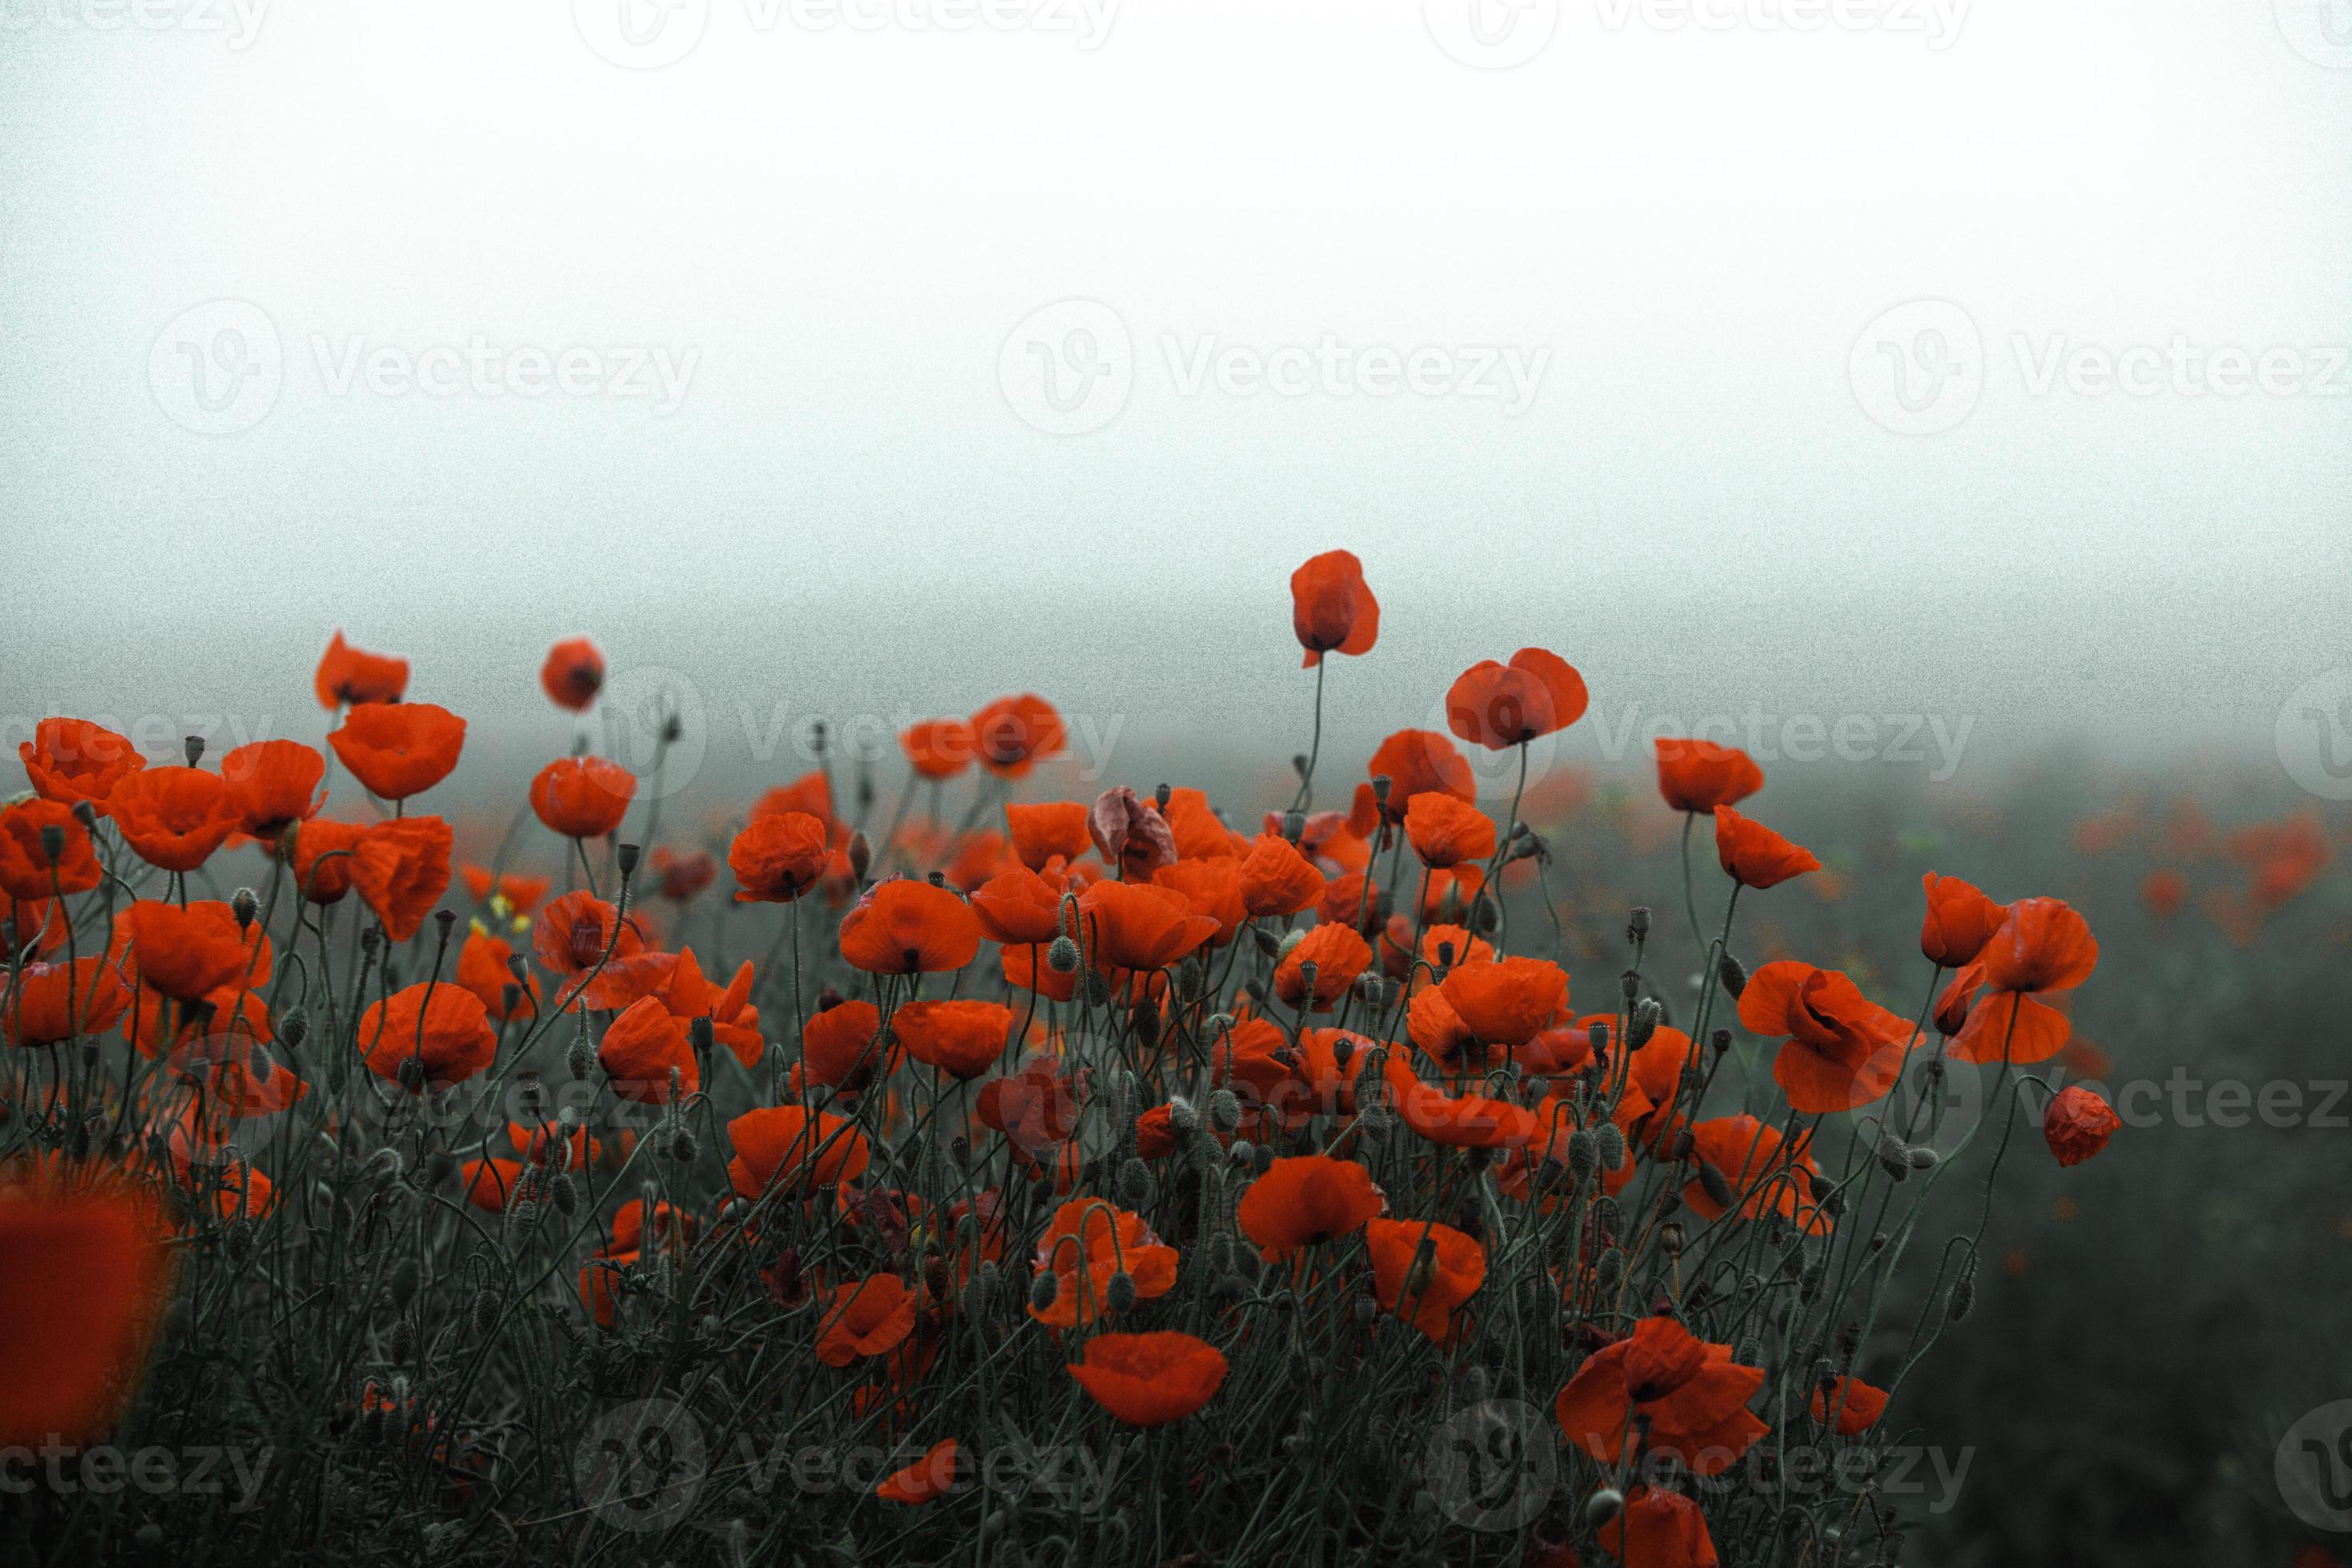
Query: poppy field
[920, 1160]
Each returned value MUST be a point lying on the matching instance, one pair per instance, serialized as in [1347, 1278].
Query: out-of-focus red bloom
[1753, 855]
[1841, 1049]
[573, 675]
[443, 1024]
[272, 783]
[400, 868]
[350, 675]
[172, 818]
[320, 854]
[1960, 920]
[1149, 1380]
[1276, 879]
[1086, 1242]
[52, 1003]
[1659, 1528]
[399, 748]
[1130, 835]
[1421, 762]
[812, 793]
[1508, 1001]
[1459, 1121]
[583, 797]
[489, 1184]
[1338, 954]
[1689, 1396]
[1331, 609]
[1305, 1201]
[73, 760]
[1699, 776]
[1214, 888]
[1499, 706]
[1424, 1272]
[1856, 1405]
[1445, 831]
[484, 967]
[2164, 891]
[30, 831]
[962, 1038]
[1013, 732]
[796, 1149]
[937, 748]
[901, 927]
[1044, 831]
[1140, 927]
[840, 1045]
[867, 1318]
[520, 893]
[189, 952]
[926, 1481]
[642, 1049]
[777, 859]
[1037, 1107]
[82, 1283]
[681, 876]
[2078, 1125]
[1763, 1171]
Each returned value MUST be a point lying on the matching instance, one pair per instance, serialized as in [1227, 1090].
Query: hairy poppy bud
[1224, 1110]
[565, 1192]
[1735, 978]
[1893, 1158]
[627, 855]
[1097, 989]
[1042, 1291]
[1262, 1158]
[244, 906]
[1964, 1295]
[1182, 1116]
[1609, 1272]
[1923, 1157]
[1119, 1295]
[1718, 1191]
[400, 1345]
[580, 1059]
[682, 1146]
[192, 748]
[1134, 1182]
[1602, 1506]
[1609, 1140]
[1243, 1154]
[293, 1028]
[53, 849]
[1644, 1024]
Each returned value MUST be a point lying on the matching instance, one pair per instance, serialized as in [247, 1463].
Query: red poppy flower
[53, 1003]
[489, 1184]
[1499, 706]
[1445, 831]
[1140, 927]
[1857, 1404]
[797, 1149]
[1689, 1396]
[321, 853]
[1699, 776]
[2043, 945]
[1508, 1001]
[927, 1479]
[1305, 1201]
[962, 1040]
[777, 859]
[72, 760]
[1043, 831]
[1338, 954]
[642, 1049]
[82, 1283]
[1421, 762]
[1276, 879]
[1086, 1244]
[1659, 1528]
[443, 1024]
[1458, 1122]
[399, 748]
[1754, 855]
[1841, 1051]
[689, 994]
[583, 797]
[901, 927]
[27, 867]
[576, 933]
[400, 868]
[1760, 1169]
[520, 893]
[937, 748]
[867, 1318]
[681, 876]
[1422, 1272]
[350, 675]
[174, 819]
[2078, 1125]
[1018, 906]
[1149, 1380]
[189, 952]
[1960, 920]
[273, 782]
[1291, 1085]
[1013, 732]
[1331, 609]
[573, 675]
[840, 1045]
[1212, 888]
[485, 968]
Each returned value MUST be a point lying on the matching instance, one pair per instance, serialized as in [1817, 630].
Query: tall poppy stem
[1305, 795]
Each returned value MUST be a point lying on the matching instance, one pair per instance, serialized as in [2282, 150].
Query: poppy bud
[85, 813]
[293, 1028]
[861, 855]
[1735, 978]
[1119, 1295]
[1609, 1272]
[581, 1059]
[701, 1034]
[1964, 1296]
[484, 1310]
[1609, 1139]
[1602, 1506]
[1262, 1158]
[627, 854]
[412, 1073]
[1718, 1191]
[1637, 924]
[1224, 1110]
[565, 1192]
[192, 748]
[1644, 1024]
[1241, 1154]
[240, 1240]
[1097, 989]
[1043, 1290]
[1924, 1158]
[400, 1345]
[1893, 1158]
[53, 847]
[682, 1147]
[1485, 916]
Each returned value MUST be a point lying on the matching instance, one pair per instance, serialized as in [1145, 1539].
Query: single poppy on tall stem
[1332, 611]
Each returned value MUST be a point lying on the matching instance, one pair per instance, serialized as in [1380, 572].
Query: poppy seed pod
[1735, 977]
[1644, 1024]
[1637, 924]
[192, 748]
[626, 855]
[1721, 1040]
[412, 1073]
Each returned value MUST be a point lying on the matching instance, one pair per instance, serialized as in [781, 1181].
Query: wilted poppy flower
[1508, 1001]
[1331, 609]
[443, 1024]
[1149, 1380]
[1856, 1405]
[937, 748]
[901, 927]
[82, 1275]
[1305, 1201]
[485, 968]
[1276, 879]
[796, 1149]
[45, 849]
[174, 819]
[1444, 831]
[1338, 954]
[1756, 857]
[350, 675]
[1212, 888]
[2078, 1125]
[1659, 1528]
[1499, 706]
[400, 868]
[189, 952]
[52, 1003]
[1422, 1272]
[273, 782]
[867, 1318]
[1761, 1171]
[1960, 920]
[962, 1038]
[1841, 1051]
[1689, 1396]
[573, 675]
[583, 797]
[320, 855]
[72, 760]
[1010, 733]
[926, 1479]
[1699, 776]
[1131, 836]
[1044, 831]
[399, 748]
[777, 859]
[642, 1049]
[1136, 927]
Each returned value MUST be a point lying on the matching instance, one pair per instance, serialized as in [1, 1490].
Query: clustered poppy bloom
[843, 1046]
[53, 1003]
[400, 868]
[793, 1150]
[869, 1318]
[1012, 733]
[1331, 609]
[1305, 1201]
[1149, 1380]
[2043, 946]
[1700, 775]
[937, 748]
[583, 797]
[1841, 1051]
[573, 675]
[644, 1050]
[1087, 1245]
[1424, 1272]
[1042, 833]
[1444, 831]
[272, 783]
[188, 953]
[399, 748]
[1499, 706]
